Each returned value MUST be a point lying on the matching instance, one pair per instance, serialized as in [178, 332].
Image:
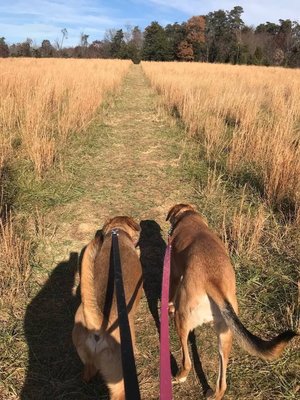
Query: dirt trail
[130, 165]
[134, 165]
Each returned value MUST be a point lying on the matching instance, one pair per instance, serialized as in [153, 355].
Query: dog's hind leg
[183, 333]
[174, 285]
[225, 343]
[175, 282]
[110, 367]
[117, 391]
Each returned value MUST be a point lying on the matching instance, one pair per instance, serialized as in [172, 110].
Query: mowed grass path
[130, 162]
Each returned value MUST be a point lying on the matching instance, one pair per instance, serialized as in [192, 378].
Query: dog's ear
[178, 207]
[135, 229]
[99, 235]
[106, 226]
[172, 211]
[134, 225]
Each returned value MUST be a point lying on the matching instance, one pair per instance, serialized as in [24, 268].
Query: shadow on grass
[197, 363]
[153, 247]
[54, 369]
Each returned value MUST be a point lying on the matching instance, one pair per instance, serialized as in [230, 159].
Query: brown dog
[202, 289]
[96, 334]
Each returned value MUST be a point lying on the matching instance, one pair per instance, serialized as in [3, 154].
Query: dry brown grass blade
[14, 265]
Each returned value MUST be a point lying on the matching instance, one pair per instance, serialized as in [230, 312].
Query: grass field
[210, 136]
[43, 102]
[246, 120]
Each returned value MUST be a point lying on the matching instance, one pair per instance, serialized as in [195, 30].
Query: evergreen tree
[46, 49]
[223, 35]
[4, 51]
[117, 45]
[134, 45]
[176, 34]
[156, 46]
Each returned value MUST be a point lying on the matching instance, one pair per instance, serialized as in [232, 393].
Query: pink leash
[165, 363]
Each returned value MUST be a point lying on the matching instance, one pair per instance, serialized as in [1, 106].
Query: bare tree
[56, 44]
[84, 39]
[128, 33]
[109, 35]
[64, 36]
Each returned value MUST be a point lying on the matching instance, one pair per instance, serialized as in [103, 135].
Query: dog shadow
[54, 369]
[152, 247]
[197, 364]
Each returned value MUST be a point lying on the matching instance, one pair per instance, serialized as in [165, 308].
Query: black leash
[132, 391]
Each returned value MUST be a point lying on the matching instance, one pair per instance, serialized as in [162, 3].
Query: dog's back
[103, 278]
[96, 333]
[200, 257]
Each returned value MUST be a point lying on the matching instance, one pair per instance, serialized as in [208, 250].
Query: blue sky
[44, 19]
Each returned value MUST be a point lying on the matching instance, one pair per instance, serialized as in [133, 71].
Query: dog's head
[124, 223]
[176, 211]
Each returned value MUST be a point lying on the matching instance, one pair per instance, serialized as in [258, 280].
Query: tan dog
[96, 334]
[202, 289]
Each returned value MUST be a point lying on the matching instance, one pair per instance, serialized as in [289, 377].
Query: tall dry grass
[44, 100]
[241, 225]
[15, 261]
[247, 119]
[243, 231]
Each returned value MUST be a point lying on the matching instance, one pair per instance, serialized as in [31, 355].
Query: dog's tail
[265, 349]
[90, 307]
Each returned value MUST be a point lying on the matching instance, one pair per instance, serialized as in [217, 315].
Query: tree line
[220, 36]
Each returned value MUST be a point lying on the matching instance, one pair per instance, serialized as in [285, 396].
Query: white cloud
[255, 11]
[258, 11]
[191, 7]
[44, 19]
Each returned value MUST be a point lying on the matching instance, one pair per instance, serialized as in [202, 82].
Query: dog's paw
[181, 376]
[177, 381]
[181, 379]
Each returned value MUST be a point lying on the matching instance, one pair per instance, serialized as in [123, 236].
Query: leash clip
[115, 232]
[170, 231]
